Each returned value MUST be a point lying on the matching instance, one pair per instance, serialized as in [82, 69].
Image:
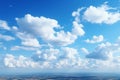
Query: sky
[59, 36]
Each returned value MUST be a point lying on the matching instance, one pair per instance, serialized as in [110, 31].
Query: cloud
[102, 14]
[77, 26]
[46, 55]
[28, 40]
[63, 38]
[20, 61]
[24, 48]
[84, 50]
[104, 51]
[58, 58]
[14, 28]
[76, 14]
[65, 58]
[47, 58]
[70, 53]
[4, 25]
[95, 39]
[77, 30]
[6, 37]
[45, 29]
[40, 26]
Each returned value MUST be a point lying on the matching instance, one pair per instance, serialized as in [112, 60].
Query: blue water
[63, 76]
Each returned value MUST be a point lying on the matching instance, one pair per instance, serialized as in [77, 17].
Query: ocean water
[62, 76]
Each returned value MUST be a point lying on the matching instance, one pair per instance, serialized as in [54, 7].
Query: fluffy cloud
[70, 53]
[56, 54]
[84, 50]
[77, 30]
[77, 26]
[48, 58]
[45, 29]
[76, 14]
[65, 58]
[101, 14]
[59, 58]
[63, 38]
[21, 61]
[4, 25]
[28, 40]
[46, 55]
[40, 26]
[6, 37]
[95, 39]
[104, 51]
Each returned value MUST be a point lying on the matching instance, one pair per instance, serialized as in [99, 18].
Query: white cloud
[84, 50]
[4, 25]
[104, 51]
[101, 14]
[63, 38]
[76, 14]
[28, 40]
[77, 30]
[24, 48]
[41, 26]
[67, 58]
[77, 26]
[14, 28]
[46, 55]
[6, 37]
[20, 61]
[70, 53]
[48, 58]
[95, 39]
[45, 29]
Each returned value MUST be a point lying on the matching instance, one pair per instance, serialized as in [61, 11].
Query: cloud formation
[45, 29]
[95, 39]
[21, 61]
[101, 14]
[6, 37]
[50, 43]
[105, 51]
[28, 40]
[4, 25]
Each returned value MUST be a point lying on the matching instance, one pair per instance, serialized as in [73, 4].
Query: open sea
[63, 76]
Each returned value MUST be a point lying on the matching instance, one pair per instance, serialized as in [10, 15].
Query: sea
[63, 76]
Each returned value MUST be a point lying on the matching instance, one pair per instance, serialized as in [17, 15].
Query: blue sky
[53, 36]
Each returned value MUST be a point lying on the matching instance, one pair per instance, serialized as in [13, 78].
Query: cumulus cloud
[70, 53]
[84, 50]
[63, 38]
[48, 58]
[76, 14]
[65, 58]
[77, 26]
[101, 14]
[40, 26]
[104, 51]
[46, 55]
[4, 25]
[45, 29]
[28, 40]
[95, 39]
[21, 61]
[6, 37]
[77, 30]
[59, 58]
